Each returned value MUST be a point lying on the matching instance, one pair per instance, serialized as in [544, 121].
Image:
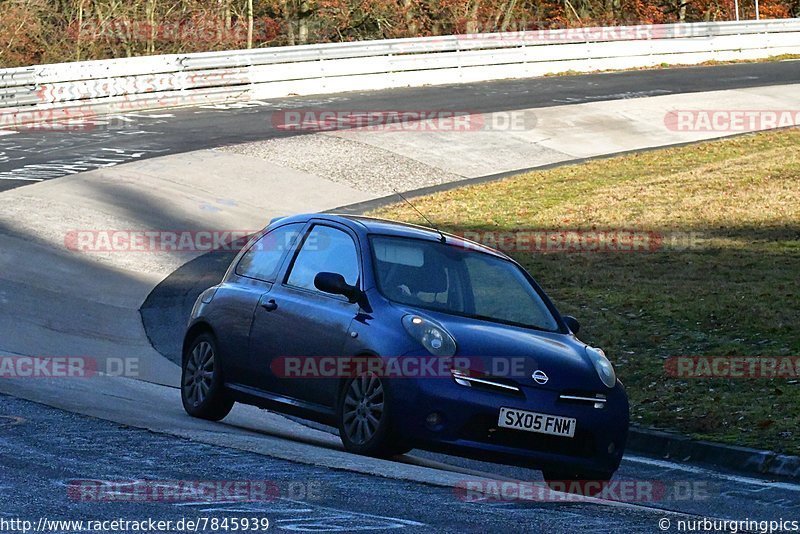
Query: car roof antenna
[441, 235]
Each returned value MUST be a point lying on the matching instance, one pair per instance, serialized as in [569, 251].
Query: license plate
[541, 423]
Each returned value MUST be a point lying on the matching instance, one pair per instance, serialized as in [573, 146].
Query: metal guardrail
[270, 72]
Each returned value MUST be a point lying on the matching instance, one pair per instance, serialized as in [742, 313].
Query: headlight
[431, 335]
[603, 367]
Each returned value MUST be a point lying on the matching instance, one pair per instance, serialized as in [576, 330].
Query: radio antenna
[441, 235]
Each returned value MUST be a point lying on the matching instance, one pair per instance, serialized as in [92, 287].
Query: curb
[680, 448]
[361, 208]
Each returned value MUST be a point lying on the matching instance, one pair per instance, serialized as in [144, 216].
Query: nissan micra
[404, 337]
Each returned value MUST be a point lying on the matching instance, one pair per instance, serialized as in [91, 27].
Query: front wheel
[365, 418]
[202, 390]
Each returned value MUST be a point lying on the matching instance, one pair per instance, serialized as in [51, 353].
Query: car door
[298, 322]
[237, 298]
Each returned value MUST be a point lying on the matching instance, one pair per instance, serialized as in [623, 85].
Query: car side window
[263, 259]
[326, 249]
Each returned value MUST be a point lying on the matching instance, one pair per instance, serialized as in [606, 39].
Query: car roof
[376, 226]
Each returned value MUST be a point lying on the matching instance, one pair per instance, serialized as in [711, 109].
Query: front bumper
[468, 424]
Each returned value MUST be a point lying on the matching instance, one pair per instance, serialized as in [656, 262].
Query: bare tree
[249, 23]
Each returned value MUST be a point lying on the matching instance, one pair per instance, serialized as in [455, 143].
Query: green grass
[736, 291]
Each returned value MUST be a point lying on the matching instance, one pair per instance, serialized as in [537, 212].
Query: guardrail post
[458, 56]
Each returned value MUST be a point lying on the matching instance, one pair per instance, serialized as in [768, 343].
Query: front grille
[484, 429]
[483, 382]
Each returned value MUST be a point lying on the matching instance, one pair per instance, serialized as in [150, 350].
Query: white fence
[173, 80]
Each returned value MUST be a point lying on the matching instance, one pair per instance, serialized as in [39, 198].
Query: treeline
[48, 31]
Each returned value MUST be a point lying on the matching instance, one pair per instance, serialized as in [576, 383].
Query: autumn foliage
[47, 31]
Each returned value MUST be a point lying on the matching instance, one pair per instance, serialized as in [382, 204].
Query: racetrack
[59, 302]
[27, 157]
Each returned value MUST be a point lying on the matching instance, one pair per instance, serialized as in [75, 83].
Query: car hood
[516, 353]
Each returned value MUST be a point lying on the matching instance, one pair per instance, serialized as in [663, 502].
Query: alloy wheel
[363, 408]
[199, 373]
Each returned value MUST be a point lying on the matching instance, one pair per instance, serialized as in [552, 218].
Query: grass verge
[729, 285]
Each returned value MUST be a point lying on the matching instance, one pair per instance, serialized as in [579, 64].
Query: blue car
[404, 337]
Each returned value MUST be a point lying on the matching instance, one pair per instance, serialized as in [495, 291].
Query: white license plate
[541, 423]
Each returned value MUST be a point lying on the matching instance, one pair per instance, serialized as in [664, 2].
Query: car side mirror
[335, 284]
[572, 323]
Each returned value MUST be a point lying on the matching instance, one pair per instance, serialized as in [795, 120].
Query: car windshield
[457, 280]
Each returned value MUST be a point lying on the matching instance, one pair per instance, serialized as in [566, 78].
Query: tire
[202, 388]
[364, 418]
[586, 483]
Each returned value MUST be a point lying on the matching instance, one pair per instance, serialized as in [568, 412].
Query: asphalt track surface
[40, 479]
[33, 155]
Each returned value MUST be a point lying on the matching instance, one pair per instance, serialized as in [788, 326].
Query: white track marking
[711, 473]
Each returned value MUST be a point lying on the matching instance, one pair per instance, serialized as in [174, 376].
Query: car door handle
[270, 305]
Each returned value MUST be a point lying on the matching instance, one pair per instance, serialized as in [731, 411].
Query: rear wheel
[365, 418]
[587, 483]
[202, 390]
